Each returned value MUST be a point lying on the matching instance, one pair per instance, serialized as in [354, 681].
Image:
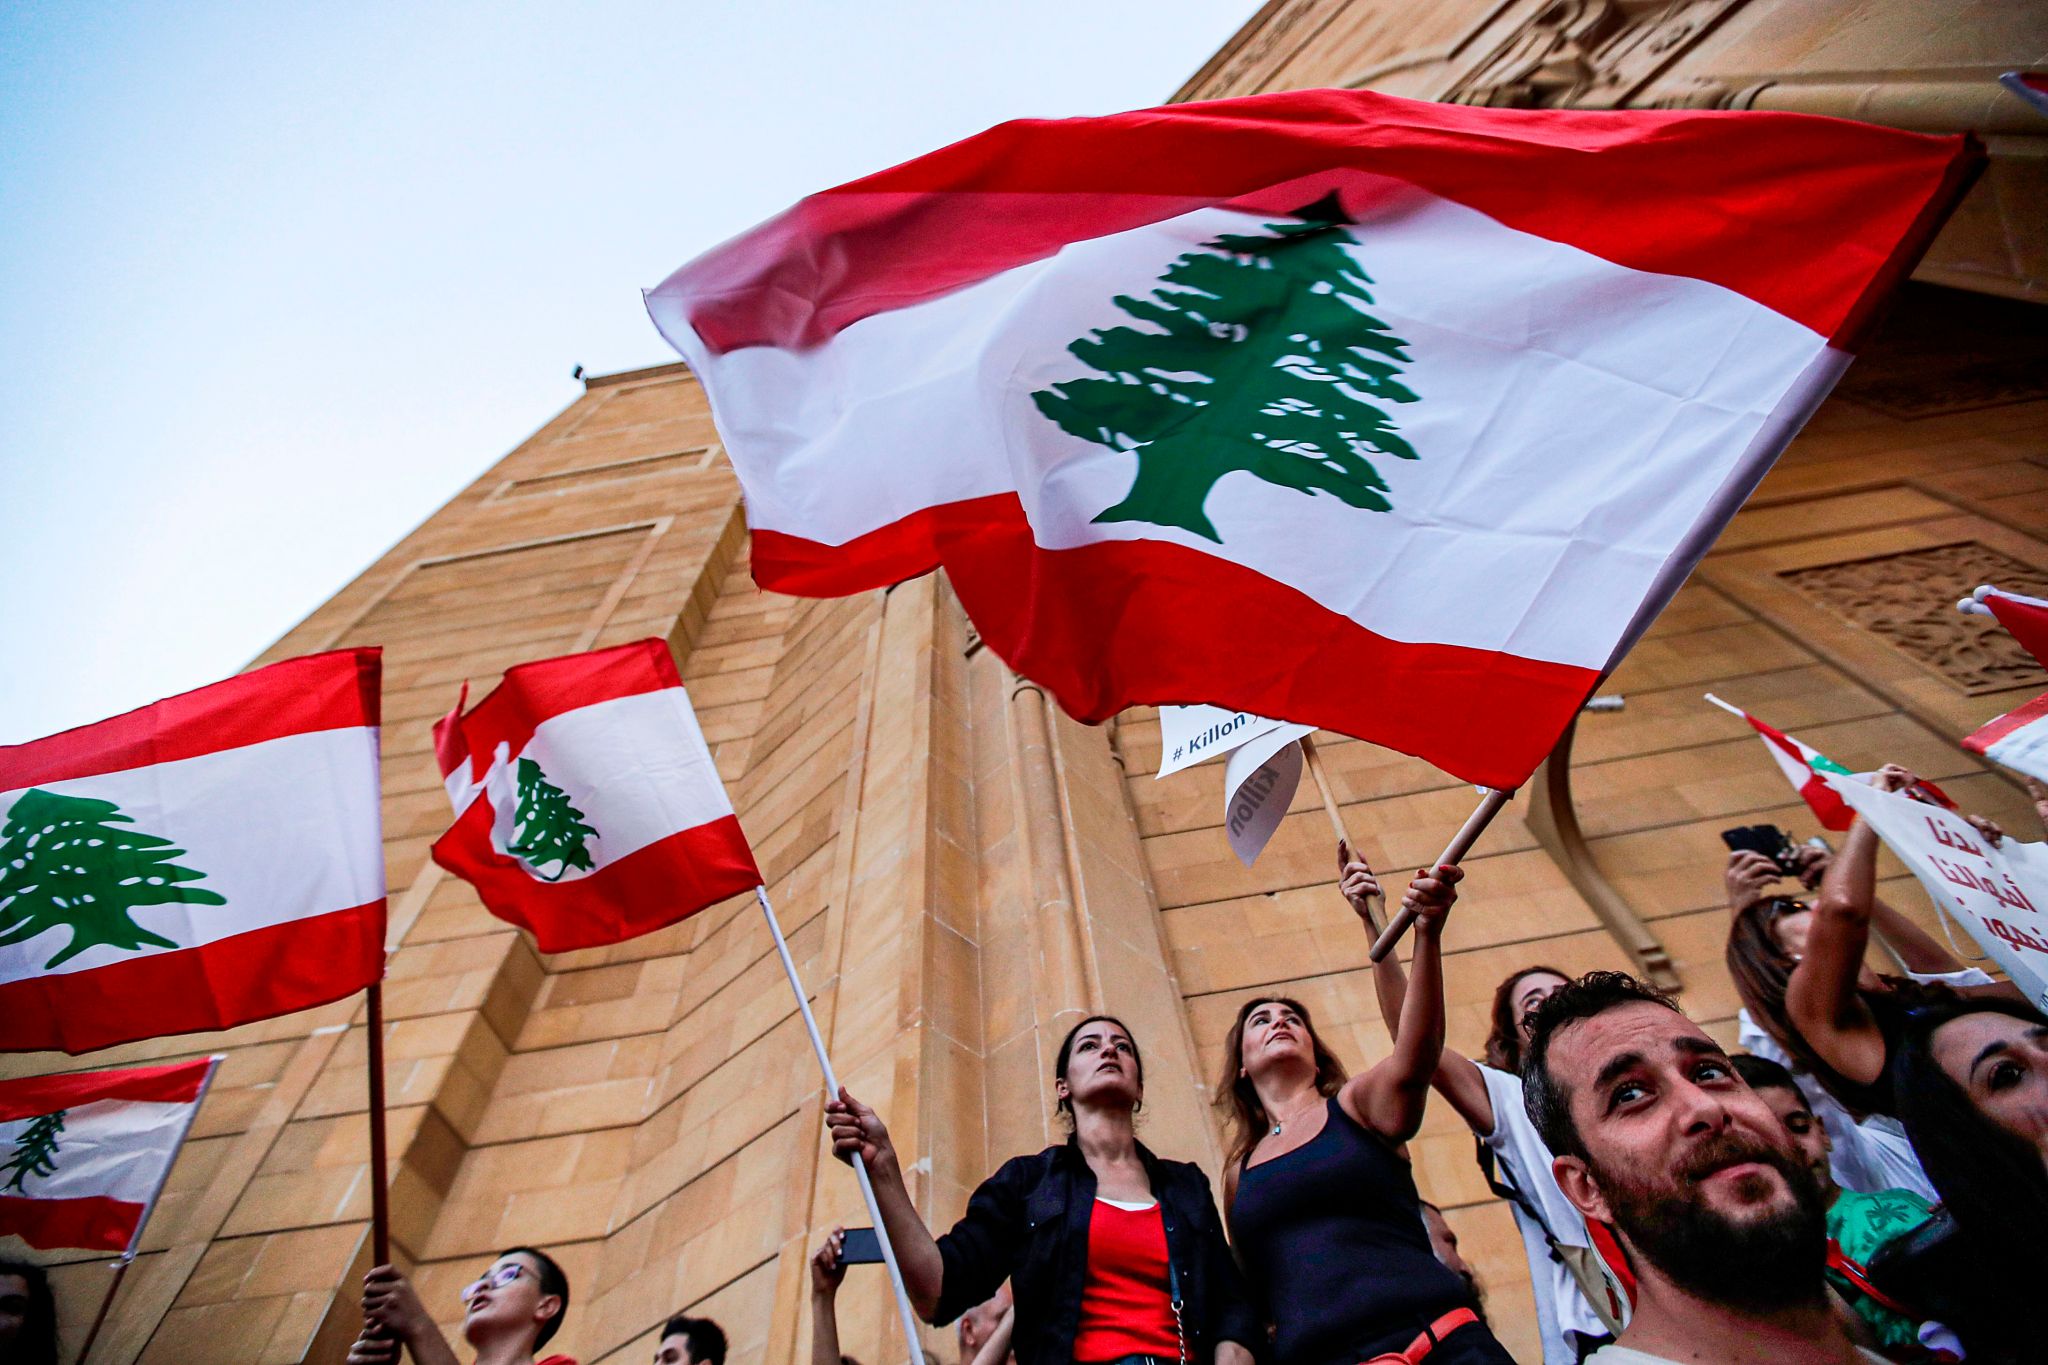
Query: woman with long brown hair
[1811, 1004]
[1322, 1203]
[1114, 1255]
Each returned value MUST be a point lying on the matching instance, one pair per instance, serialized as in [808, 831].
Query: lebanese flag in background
[204, 861]
[2019, 738]
[83, 1156]
[588, 809]
[1392, 418]
[1808, 770]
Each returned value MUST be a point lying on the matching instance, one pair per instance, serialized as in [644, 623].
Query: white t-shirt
[1623, 1355]
[1525, 1163]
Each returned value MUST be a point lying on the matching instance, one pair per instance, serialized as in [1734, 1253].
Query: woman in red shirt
[1114, 1255]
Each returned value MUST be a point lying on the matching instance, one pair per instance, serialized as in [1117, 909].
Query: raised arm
[858, 1134]
[1821, 998]
[393, 1310]
[1457, 1077]
[1389, 1097]
[827, 1272]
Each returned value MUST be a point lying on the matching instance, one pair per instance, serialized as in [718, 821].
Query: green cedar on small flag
[66, 862]
[587, 806]
[207, 860]
[84, 1154]
[551, 830]
[1808, 769]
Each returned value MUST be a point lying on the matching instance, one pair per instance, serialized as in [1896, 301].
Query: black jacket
[1028, 1223]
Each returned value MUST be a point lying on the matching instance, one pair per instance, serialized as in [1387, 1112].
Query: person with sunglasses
[508, 1314]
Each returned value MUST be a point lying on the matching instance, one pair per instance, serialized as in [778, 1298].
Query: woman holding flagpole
[1323, 1205]
[1113, 1254]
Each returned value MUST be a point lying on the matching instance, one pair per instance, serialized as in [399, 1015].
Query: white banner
[1258, 786]
[1994, 892]
[1194, 734]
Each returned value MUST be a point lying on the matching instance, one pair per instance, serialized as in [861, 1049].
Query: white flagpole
[860, 1170]
[127, 1258]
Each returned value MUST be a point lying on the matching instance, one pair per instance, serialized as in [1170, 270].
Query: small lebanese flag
[2018, 739]
[588, 809]
[1806, 767]
[1394, 418]
[2031, 86]
[2024, 618]
[83, 1156]
[207, 860]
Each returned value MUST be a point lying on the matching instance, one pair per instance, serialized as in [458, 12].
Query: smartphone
[860, 1247]
[1768, 840]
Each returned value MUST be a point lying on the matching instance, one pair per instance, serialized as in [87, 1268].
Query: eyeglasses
[497, 1279]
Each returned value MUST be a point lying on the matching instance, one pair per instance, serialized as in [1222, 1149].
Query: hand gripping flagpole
[127, 1258]
[1461, 843]
[860, 1170]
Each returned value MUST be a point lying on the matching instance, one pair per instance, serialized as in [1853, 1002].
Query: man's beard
[1763, 1262]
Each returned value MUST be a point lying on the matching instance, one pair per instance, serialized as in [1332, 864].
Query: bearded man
[1657, 1136]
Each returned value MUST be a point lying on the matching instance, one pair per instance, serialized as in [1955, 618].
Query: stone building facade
[963, 871]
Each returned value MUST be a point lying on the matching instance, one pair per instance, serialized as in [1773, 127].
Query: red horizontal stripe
[668, 880]
[1114, 624]
[265, 972]
[532, 692]
[333, 691]
[94, 1223]
[2020, 717]
[178, 1083]
[1812, 217]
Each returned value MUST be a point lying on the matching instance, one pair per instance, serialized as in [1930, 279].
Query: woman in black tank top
[1323, 1208]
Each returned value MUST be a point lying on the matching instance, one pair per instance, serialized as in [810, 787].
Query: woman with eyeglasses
[1810, 1003]
[1113, 1254]
[508, 1314]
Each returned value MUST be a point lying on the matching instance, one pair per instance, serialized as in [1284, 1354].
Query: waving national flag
[1805, 768]
[588, 809]
[84, 1155]
[210, 859]
[1394, 418]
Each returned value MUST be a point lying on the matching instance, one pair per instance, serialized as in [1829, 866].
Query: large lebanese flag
[588, 808]
[204, 861]
[1391, 418]
[84, 1156]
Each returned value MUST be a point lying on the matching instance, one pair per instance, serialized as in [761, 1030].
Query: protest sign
[1193, 734]
[1994, 891]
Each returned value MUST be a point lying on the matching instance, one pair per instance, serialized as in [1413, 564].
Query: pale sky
[278, 280]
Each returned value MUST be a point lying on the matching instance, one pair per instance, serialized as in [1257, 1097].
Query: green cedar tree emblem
[549, 829]
[1261, 357]
[65, 863]
[35, 1150]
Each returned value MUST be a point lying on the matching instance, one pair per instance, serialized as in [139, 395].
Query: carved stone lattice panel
[1909, 601]
[1587, 53]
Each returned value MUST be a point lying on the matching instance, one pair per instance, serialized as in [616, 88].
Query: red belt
[1420, 1348]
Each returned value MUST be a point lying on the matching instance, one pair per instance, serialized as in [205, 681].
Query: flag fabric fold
[1395, 418]
[2019, 738]
[588, 807]
[205, 861]
[84, 1155]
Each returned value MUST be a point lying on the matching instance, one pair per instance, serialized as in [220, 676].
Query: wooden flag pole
[860, 1170]
[1461, 843]
[380, 1197]
[127, 1257]
[1375, 906]
[99, 1320]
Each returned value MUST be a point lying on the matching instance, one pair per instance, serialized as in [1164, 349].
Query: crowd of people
[1863, 1181]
